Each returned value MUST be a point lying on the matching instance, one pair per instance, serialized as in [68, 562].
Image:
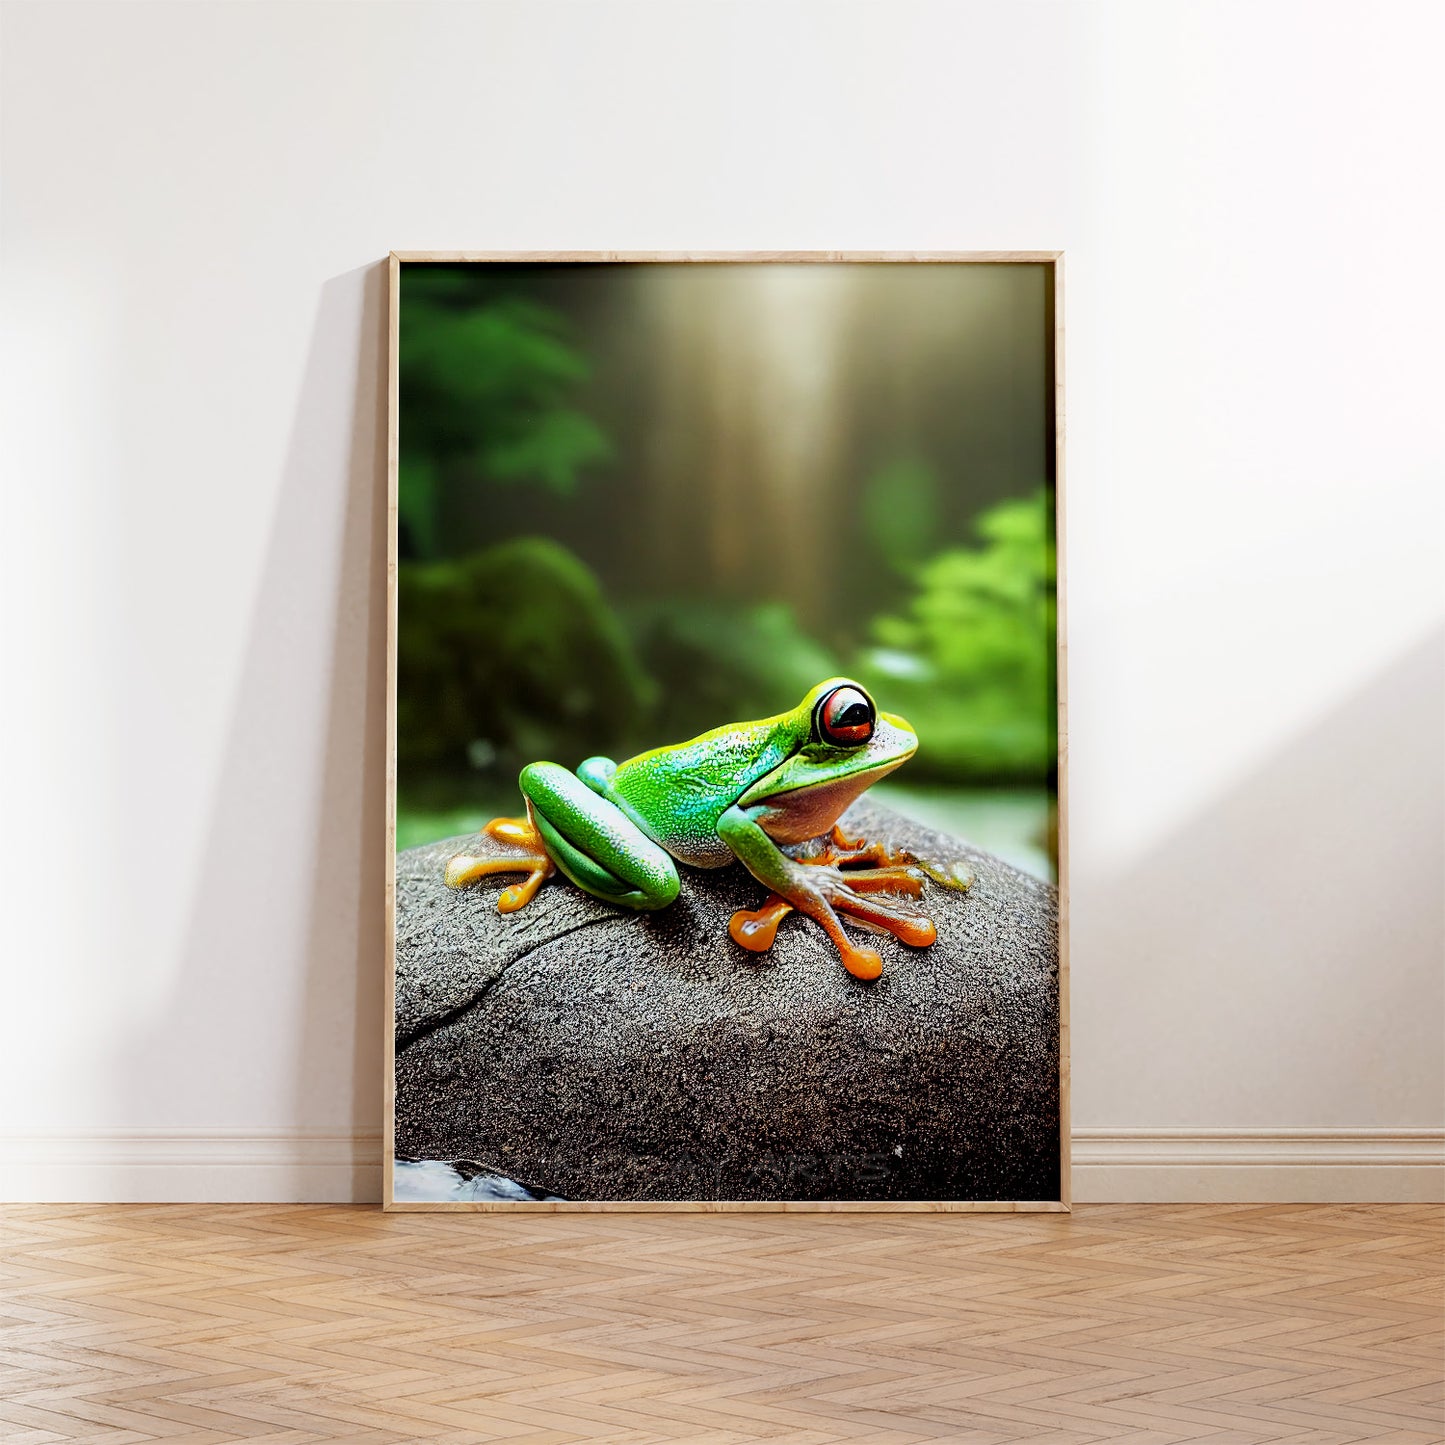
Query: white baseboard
[336, 1165]
[205, 1166]
[1381, 1166]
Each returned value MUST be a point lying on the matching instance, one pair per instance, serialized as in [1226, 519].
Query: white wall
[196, 203]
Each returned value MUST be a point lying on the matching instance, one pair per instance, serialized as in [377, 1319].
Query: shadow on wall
[1277, 963]
[317, 898]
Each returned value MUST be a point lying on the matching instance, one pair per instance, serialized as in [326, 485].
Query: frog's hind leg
[527, 856]
[845, 851]
[592, 841]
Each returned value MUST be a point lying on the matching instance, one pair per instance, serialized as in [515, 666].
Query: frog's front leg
[819, 888]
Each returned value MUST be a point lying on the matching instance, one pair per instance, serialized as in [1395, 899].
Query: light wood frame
[1063, 1205]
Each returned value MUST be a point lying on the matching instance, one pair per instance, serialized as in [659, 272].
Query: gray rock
[598, 1054]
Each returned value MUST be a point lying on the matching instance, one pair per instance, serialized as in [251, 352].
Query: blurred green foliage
[510, 655]
[516, 652]
[488, 387]
[719, 663]
[900, 512]
[970, 659]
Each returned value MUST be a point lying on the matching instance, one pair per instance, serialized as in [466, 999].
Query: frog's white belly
[701, 851]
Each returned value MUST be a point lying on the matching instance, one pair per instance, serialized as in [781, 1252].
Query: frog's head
[842, 745]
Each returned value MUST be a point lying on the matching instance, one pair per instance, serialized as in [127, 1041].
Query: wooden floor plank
[1152, 1324]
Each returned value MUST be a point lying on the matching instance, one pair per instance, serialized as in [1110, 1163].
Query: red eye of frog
[845, 717]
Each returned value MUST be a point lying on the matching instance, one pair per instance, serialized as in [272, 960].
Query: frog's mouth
[808, 793]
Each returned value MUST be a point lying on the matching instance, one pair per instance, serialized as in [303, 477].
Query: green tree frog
[767, 794]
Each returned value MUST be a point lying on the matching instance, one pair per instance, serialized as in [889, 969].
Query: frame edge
[1061, 700]
[393, 371]
[1055, 261]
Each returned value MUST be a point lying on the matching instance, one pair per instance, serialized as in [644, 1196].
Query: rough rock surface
[596, 1054]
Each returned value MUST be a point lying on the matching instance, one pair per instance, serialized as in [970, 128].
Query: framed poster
[726, 799]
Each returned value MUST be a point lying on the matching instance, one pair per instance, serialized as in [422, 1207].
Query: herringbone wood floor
[1143, 1323]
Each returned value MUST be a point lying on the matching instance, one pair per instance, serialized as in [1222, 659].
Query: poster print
[726, 804]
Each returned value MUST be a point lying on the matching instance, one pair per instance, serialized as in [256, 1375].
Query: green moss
[510, 655]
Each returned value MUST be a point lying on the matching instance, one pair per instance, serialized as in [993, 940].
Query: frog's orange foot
[876, 897]
[524, 854]
[860, 898]
[757, 929]
[518, 832]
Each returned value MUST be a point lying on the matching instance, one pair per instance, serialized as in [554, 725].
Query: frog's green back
[676, 794]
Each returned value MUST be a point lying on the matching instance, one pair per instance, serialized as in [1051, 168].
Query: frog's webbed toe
[953, 873]
[756, 929]
[523, 854]
[878, 897]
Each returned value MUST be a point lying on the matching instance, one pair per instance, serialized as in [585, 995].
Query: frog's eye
[844, 717]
